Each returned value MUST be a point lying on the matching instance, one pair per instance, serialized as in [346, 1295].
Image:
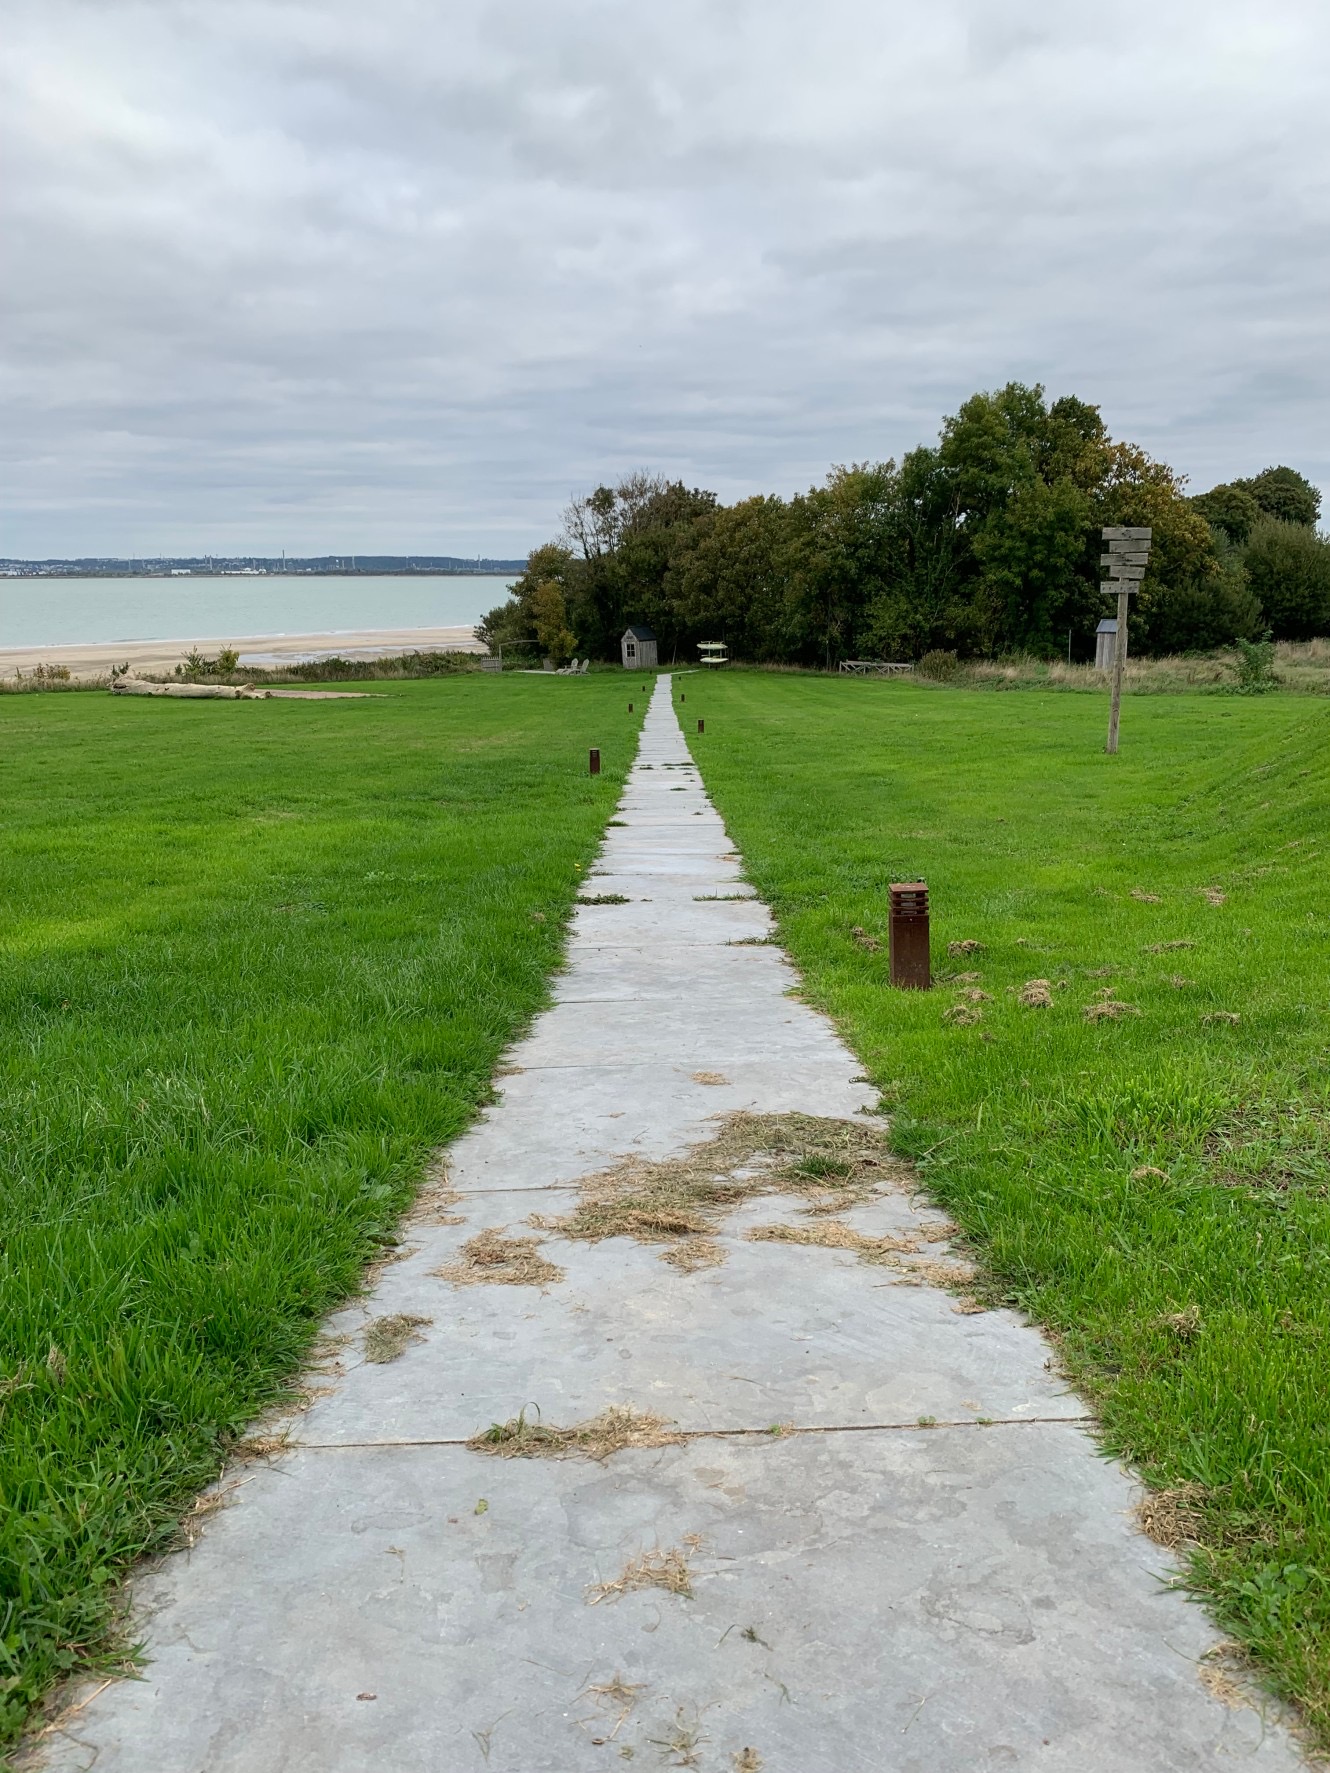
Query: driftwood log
[215, 692]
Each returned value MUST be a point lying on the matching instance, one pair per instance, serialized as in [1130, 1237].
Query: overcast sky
[395, 275]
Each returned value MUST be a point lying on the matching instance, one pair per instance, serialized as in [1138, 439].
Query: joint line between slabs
[724, 1434]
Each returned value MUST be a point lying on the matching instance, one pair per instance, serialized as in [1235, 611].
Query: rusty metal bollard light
[908, 936]
[595, 760]
[701, 726]
[630, 707]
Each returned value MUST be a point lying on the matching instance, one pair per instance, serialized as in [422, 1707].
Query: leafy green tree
[924, 602]
[1288, 566]
[1184, 570]
[840, 538]
[1030, 553]
[1285, 494]
[987, 542]
[550, 616]
[1198, 615]
[657, 532]
[1229, 508]
[514, 623]
[730, 579]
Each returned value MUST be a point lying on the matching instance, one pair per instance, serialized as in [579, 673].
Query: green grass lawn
[1150, 1186]
[256, 961]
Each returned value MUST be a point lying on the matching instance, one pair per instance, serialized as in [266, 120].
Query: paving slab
[918, 1601]
[886, 1536]
[777, 1334]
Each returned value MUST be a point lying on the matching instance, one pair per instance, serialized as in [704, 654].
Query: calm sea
[76, 612]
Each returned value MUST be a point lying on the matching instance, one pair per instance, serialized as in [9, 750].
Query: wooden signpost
[1126, 561]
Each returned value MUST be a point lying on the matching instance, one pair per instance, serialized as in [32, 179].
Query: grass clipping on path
[387, 1338]
[492, 1259]
[661, 1567]
[681, 1201]
[614, 1429]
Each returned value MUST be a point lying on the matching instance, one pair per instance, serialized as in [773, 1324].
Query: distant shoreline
[400, 572]
[98, 658]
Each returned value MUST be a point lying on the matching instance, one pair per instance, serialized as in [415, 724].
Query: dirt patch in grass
[527, 1437]
[830, 1164]
[491, 1258]
[963, 1015]
[388, 1338]
[1212, 895]
[1144, 898]
[1168, 947]
[1035, 994]
[870, 944]
[661, 1567]
[1108, 1009]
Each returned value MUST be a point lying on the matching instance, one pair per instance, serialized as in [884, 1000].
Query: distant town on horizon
[183, 566]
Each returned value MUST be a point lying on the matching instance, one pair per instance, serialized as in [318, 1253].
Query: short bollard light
[630, 707]
[595, 760]
[908, 936]
[701, 726]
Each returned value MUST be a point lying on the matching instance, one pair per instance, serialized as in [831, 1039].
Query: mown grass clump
[1137, 1141]
[257, 961]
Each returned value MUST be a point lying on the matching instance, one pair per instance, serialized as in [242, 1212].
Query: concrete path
[871, 1593]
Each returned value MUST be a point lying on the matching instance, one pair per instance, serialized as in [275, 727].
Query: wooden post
[1126, 560]
[1119, 668]
[907, 936]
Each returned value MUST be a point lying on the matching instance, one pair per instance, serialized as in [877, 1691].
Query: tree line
[985, 543]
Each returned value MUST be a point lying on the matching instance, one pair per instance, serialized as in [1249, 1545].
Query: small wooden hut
[638, 647]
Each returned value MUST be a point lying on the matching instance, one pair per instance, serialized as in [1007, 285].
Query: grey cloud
[332, 276]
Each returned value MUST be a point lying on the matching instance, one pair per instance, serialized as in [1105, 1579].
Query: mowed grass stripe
[1151, 1186]
[256, 961]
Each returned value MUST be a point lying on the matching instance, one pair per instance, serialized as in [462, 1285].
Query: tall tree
[1229, 508]
[1288, 566]
[1285, 494]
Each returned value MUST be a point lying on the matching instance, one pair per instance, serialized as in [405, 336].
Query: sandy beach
[265, 650]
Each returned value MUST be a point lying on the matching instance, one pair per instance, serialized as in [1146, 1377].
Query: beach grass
[257, 961]
[1119, 1087]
